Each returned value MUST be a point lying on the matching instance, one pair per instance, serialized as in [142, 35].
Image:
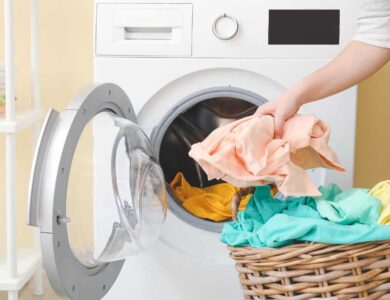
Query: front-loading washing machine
[187, 67]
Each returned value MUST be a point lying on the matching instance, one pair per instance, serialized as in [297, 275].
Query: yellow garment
[381, 191]
[212, 202]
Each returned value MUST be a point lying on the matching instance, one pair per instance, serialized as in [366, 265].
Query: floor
[26, 293]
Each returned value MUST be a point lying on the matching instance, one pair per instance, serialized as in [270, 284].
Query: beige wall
[66, 65]
[373, 130]
[66, 62]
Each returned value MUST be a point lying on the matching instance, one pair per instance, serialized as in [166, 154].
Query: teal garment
[349, 207]
[334, 218]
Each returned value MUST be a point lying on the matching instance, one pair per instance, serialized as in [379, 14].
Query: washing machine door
[71, 169]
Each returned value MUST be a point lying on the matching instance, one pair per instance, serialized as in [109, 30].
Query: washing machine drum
[93, 157]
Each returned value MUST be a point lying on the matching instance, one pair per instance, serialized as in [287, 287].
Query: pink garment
[244, 153]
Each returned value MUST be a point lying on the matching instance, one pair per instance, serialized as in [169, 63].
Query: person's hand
[355, 63]
[281, 108]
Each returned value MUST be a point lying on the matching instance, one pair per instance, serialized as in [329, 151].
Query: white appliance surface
[170, 53]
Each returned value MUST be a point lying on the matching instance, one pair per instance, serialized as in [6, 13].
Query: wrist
[295, 98]
[299, 94]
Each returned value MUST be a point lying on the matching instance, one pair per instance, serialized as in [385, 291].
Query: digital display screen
[304, 27]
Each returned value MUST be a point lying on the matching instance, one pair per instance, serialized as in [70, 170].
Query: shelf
[28, 261]
[22, 120]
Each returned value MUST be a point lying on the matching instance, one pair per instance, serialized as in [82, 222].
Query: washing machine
[110, 225]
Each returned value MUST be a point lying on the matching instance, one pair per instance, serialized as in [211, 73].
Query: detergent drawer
[143, 29]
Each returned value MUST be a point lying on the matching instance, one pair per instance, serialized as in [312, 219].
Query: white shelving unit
[20, 121]
[19, 265]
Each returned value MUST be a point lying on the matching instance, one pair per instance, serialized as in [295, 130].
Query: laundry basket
[313, 270]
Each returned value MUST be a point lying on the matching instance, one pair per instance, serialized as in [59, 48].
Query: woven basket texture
[315, 271]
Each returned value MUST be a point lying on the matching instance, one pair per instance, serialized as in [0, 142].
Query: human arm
[355, 63]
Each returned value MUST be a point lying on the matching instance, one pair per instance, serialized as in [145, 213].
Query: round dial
[225, 27]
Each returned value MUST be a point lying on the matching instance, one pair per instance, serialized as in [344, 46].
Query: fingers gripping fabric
[245, 153]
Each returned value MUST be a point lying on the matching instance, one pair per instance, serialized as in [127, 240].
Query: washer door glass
[97, 192]
[116, 202]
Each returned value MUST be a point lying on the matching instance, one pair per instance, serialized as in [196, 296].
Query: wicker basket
[313, 270]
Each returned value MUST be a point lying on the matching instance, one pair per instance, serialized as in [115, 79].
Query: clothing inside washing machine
[193, 126]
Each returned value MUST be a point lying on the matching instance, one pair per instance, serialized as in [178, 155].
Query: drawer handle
[229, 35]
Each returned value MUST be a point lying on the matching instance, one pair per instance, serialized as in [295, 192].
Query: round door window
[114, 173]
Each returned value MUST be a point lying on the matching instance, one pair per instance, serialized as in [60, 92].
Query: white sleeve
[374, 23]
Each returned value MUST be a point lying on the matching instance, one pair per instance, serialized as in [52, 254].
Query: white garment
[374, 23]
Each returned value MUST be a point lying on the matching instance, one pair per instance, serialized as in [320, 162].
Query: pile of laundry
[245, 153]
[335, 217]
